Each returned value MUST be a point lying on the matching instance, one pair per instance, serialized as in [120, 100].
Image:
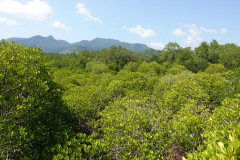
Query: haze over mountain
[50, 44]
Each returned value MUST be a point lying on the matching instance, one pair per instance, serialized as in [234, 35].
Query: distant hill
[50, 44]
[100, 43]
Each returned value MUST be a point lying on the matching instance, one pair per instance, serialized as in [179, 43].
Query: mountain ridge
[50, 45]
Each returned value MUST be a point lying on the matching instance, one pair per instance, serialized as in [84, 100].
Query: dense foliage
[116, 104]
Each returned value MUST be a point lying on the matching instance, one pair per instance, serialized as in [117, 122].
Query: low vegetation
[175, 103]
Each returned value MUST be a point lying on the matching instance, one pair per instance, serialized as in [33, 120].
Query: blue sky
[152, 22]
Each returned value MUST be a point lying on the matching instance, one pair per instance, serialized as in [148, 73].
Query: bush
[222, 133]
[215, 68]
[133, 128]
[176, 69]
[96, 67]
[33, 117]
[152, 69]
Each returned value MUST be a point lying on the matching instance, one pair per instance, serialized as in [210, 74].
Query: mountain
[100, 43]
[50, 44]
[47, 44]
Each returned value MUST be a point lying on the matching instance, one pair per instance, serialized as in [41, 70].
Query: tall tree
[170, 52]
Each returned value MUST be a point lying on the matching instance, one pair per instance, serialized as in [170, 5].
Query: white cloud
[223, 30]
[8, 21]
[194, 34]
[87, 14]
[34, 9]
[191, 26]
[139, 30]
[208, 30]
[178, 32]
[58, 24]
[156, 45]
[189, 40]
